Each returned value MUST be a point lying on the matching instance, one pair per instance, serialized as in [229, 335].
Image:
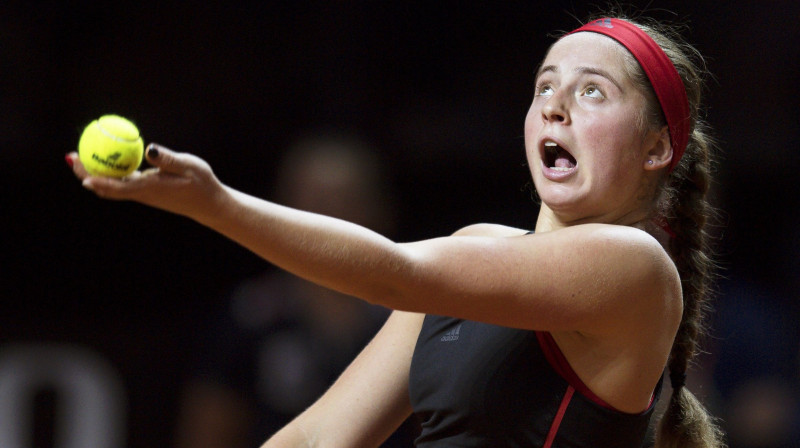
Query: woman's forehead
[590, 49]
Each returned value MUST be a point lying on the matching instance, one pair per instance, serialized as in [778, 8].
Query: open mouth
[558, 158]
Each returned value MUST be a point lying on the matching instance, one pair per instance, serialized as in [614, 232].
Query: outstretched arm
[559, 280]
[328, 251]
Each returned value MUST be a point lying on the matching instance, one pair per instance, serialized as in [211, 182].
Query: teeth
[560, 168]
[550, 144]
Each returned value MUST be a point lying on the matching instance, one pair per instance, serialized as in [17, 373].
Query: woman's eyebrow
[582, 70]
[546, 68]
[598, 72]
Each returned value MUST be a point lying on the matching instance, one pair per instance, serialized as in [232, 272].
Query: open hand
[177, 182]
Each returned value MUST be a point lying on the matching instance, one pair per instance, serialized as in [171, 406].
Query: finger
[133, 186]
[75, 163]
[168, 160]
[108, 187]
[103, 186]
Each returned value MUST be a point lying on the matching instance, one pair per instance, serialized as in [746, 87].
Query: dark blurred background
[440, 87]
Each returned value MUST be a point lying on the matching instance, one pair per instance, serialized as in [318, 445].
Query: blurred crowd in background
[122, 326]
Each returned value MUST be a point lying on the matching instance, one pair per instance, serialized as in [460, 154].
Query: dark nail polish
[152, 152]
[69, 160]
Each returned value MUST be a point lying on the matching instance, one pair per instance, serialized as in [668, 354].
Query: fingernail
[152, 152]
[69, 160]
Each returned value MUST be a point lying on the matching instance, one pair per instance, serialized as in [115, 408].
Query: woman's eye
[544, 90]
[592, 92]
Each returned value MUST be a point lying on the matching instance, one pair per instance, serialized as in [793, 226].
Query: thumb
[180, 164]
[165, 159]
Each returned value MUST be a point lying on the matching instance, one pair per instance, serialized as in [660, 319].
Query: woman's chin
[563, 200]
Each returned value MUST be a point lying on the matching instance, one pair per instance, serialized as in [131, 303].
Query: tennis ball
[111, 146]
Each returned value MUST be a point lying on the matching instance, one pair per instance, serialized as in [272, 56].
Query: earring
[650, 162]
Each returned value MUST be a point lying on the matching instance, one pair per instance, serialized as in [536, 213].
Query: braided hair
[682, 207]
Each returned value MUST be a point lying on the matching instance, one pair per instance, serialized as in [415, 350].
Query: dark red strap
[560, 364]
[562, 409]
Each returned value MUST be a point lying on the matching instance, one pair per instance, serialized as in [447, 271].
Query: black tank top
[480, 385]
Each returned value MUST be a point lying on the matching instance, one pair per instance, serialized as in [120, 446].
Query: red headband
[660, 71]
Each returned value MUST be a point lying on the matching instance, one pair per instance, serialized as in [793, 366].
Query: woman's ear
[659, 150]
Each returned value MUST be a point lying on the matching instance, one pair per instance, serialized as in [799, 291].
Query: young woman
[501, 336]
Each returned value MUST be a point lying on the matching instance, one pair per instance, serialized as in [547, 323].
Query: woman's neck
[549, 220]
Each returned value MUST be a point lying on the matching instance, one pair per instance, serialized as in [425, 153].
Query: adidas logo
[451, 335]
[605, 23]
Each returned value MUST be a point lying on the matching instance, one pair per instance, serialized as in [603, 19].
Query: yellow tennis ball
[111, 146]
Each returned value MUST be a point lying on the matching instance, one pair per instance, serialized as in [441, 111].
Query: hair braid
[685, 422]
[684, 207]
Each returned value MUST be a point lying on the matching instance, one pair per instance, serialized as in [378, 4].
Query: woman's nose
[555, 110]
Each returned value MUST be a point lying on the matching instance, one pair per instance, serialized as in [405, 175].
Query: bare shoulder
[633, 251]
[622, 267]
[645, 275]
[612, 240]
[587, 278]
[485, 229]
